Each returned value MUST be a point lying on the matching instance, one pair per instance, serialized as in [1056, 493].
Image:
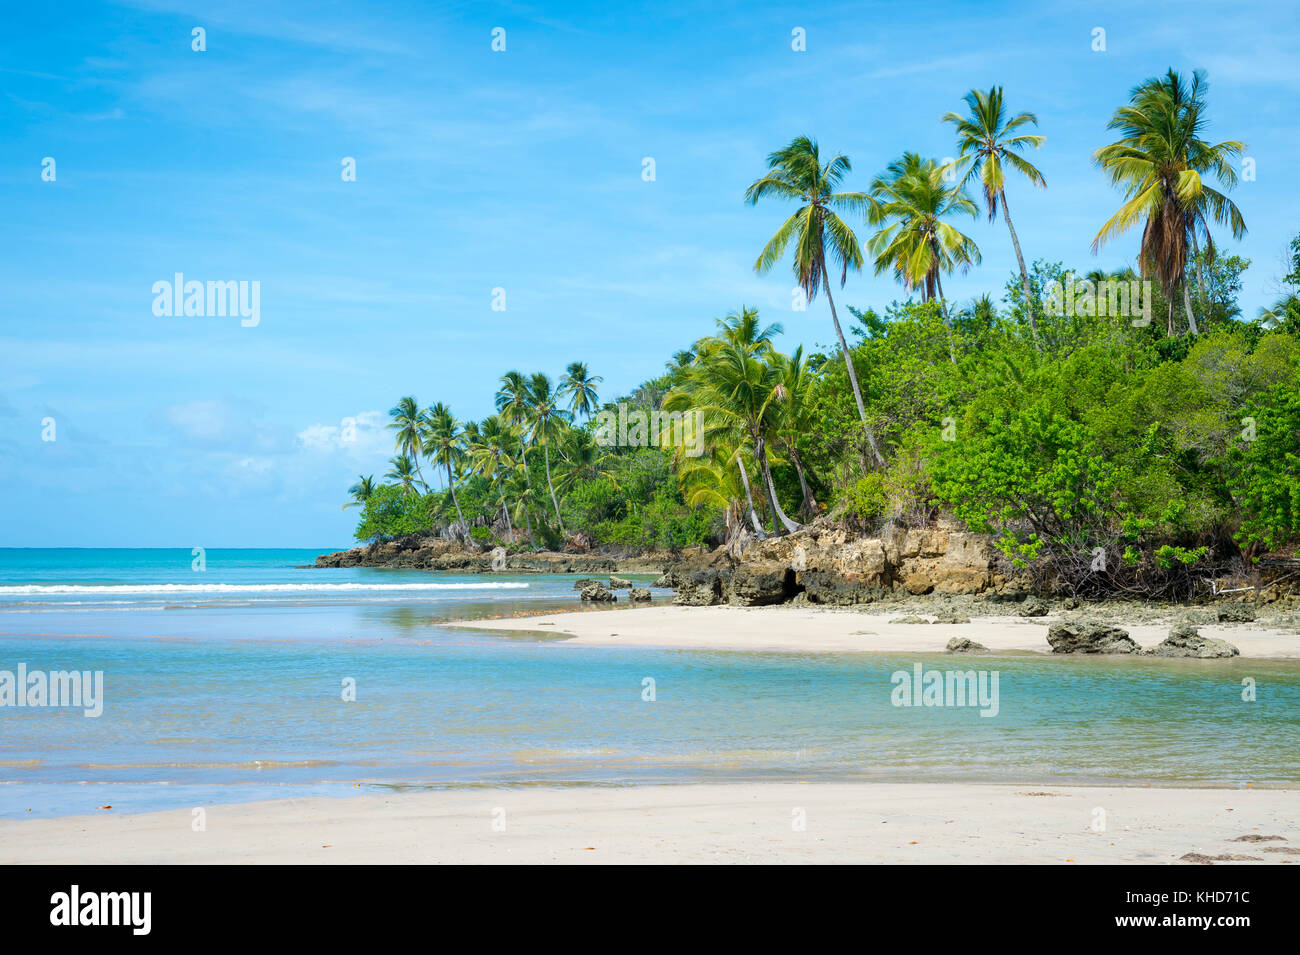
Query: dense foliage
[1130, 451]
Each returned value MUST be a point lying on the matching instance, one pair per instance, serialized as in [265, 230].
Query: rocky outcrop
[1089, 636]
[1033, 607]
[619, 583]
[434, 553]
[1186, 641]
[1236, 613]
[701, 589]
[757, 585]
[584, 582]
[596, 593]
[964, 645]
[639, 595]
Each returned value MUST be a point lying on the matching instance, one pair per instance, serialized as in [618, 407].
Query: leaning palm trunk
[749, 496]
[451, 483]
[1187, 305]
[510, 531]
[1024, 273]
[808, 506]
[947, 319]
[1200, 275]
[853, 375]
[790, 526]
[546, 449]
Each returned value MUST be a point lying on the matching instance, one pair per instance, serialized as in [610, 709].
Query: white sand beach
[804, 629]
[730, 823]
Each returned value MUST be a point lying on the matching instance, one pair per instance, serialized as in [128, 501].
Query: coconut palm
[361, 491]
[441, 441]
[513, 400]
[580, 386]
[987, 143]
[408, 421]
[910, 203]
[794, 417]
[581, 461]
[797, 173]
[491, 459]
[546, 422]
[1162, 162]
[402, 470]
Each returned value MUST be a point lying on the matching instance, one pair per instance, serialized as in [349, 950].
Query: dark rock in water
[639, 595]
[665, 580]
[1089, 636]
[1033, 607]
[596, 593]
[965, 645]
[1185, 641]
[619, 583]
[1236, 613]
[701, 589]
[759, 585]
[582, 582]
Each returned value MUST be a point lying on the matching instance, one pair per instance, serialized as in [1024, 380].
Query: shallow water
[235, 693]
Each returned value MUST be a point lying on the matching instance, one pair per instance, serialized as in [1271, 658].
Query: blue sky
[478, 170]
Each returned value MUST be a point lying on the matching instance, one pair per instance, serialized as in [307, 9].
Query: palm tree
[491, 459]
[581, 387]
[1161, 162]
[581, 460]
[361, 491]
[545, 421]
[797, 173]
[986, 145]
[402, 470]
[442, 443]
[408, 422]
[794, 417]
[910, 202]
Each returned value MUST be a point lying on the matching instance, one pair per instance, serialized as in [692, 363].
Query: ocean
[255, 677]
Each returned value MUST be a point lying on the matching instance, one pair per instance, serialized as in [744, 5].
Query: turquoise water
[226, 685]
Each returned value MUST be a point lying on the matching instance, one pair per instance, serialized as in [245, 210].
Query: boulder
[964, 645]
[639, 595]
[910, 619]
[1089, 636]
[1033, 607]
[950, 617]
[1236, 613]
[665, 580]
[619, 583]
[758, 585]
[701, 589]
[583, 582]
[1185, 641]
[595, 593]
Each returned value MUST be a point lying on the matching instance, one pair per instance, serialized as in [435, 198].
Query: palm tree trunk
[546, 449]
[454, 499]
[1024, 272]
[853, 375]
[766, 471]
[510, 531]
[808, 506]
[1187, 305]
[749, 496]
[1200, 274]
[947, 319]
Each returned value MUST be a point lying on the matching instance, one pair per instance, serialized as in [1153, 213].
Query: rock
[759, 585]
[498, 558]
[1089, 636]
[1199, 858]
[582, 582]
[1071, 603]
[1236, 613]
[701, 589]
[619, 583]
[595, 593]
[910, 619]
[639, 595]
[1033, 607]
[665, 580]
[1185, 641]
[950, 616]
[964, 645]
[1255, 837]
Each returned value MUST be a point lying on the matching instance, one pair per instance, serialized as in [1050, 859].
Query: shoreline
[863, 822]
[786, 629]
